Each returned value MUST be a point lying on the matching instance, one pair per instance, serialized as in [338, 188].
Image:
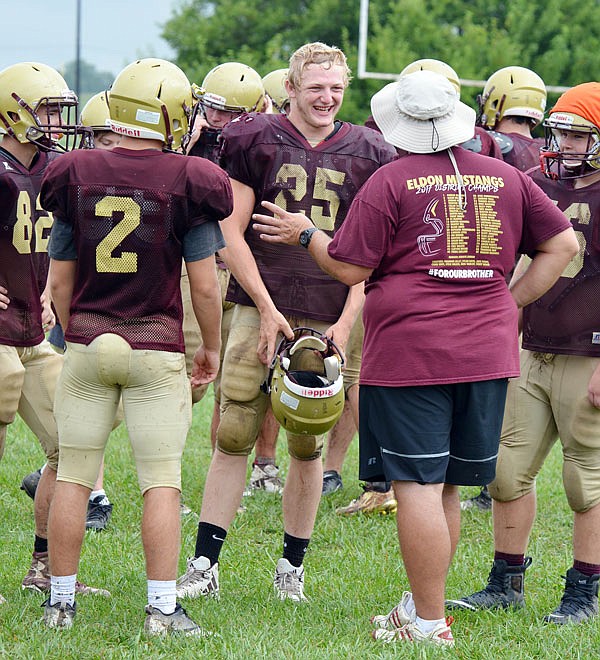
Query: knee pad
[305, 447]
[509, 483]
[581, 486]
[238, 428]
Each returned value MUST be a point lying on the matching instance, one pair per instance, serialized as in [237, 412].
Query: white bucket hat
[421, 113]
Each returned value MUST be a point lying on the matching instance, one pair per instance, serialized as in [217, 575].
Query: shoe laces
[289, 581]
[576, 597]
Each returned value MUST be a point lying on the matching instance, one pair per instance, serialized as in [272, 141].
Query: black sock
[294, 549]
[40, 545]
[209, 541]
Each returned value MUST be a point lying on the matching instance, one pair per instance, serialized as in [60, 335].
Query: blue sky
[113, 32]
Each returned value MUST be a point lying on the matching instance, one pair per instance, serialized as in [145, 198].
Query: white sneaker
[264, 478]
[402, 614]
[200, 579]
[289, 581]
[441, 635]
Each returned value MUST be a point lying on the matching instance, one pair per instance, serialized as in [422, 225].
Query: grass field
[353, 571]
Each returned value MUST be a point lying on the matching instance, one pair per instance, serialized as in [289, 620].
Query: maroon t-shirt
[437, 308]
[266, 153]
[130, 211]
[24, 233]
[566, 319]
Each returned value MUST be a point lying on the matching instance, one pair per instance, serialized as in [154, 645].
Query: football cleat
[332, 482]
[402, 614]
[200, 579]
[59, 615]
[289, 581]
[38, 578]
[371, 501]
[441, 635]
[178, 622]
[579, 601]
[99, 511]
[30, 483]
[505, 588]
[264, 477]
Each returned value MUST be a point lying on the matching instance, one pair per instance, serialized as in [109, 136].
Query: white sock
[43, 468]
[427, 625]
[162, 594]
[62, 588]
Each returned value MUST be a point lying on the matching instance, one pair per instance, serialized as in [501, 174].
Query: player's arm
[206, 301]
[549, 261]
[285, 227]
[339, 332]
[240, 261]
[48, 317]
[62, 280]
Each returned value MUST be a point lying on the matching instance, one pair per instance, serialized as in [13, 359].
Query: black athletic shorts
[433, 433]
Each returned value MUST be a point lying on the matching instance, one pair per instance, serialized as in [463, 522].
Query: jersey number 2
[106, 262]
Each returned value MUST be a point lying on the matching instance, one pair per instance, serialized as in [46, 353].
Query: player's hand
[282, 226]
[271, 324]
[205, 367]
[594, 388]
[4, 299]
[48, 317]
[199, 124]
[339, 333]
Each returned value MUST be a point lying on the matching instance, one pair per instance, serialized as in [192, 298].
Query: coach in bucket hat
[421, 113]
[434, 248]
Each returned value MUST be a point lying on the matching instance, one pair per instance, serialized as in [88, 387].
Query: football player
[33, 99]
[228, 90]
[95, 117]
[306, 159]
[511, 106]
[126, 218]
[558, 392]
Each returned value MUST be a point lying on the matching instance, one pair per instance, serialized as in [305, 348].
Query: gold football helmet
[28, 90]
[305, 383]
[437, 66]
[152, 99]
[274, 84]
[233, 87]
[512, 91]
[95, 113]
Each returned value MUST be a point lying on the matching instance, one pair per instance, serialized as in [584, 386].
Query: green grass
[353, 570]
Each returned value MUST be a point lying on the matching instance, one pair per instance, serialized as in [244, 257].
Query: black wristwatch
[306, 235]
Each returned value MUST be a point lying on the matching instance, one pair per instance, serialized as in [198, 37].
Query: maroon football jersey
[130, 211]
[208, 145]
[266, 153]
[522, 152]
[566, 319]
[24, 233]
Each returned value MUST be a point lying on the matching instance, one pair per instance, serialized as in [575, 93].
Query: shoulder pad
[474, 144]
[504, 142]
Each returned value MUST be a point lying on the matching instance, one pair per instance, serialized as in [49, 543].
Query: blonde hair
[316, 53]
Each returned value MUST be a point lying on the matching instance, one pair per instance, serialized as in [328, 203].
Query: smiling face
[315, 102]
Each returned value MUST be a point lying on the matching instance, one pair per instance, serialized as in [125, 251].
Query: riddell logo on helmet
[317, 393]
[124, 130]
